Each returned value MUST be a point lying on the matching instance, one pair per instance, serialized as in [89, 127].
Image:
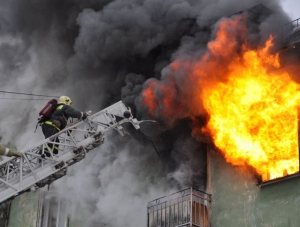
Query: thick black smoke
[100, 52]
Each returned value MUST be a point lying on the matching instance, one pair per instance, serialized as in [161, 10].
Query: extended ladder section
[34, 170]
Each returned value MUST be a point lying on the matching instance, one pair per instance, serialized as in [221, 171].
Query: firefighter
[58, 121]
[8, 152]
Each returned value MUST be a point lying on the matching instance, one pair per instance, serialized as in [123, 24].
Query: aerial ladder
[33, 170]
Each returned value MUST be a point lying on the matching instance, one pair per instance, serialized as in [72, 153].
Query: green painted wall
[24, 210]
[238, 202]
[75, 223]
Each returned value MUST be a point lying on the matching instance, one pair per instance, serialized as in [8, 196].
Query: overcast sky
[292, 7]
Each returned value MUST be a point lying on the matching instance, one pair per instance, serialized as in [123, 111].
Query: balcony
[187, 207]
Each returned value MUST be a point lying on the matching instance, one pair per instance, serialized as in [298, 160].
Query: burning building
[224, 94]
[270, 199]
[249, 95]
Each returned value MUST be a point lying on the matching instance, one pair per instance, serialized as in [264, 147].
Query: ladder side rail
[8, 184]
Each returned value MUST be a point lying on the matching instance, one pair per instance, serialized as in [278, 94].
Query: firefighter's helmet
[65, 100]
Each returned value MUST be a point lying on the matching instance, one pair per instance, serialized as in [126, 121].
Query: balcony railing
[185, 208]
[291, 32]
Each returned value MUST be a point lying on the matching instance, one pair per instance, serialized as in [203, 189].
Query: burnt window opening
[285, 175]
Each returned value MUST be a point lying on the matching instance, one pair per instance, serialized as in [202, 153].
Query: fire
[253, 118]
[252, 107]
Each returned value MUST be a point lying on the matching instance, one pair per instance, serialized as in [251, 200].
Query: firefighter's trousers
[49, 131]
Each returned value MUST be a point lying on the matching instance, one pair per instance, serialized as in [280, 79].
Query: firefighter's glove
[84, 116]
[14, 153]
[57, 123]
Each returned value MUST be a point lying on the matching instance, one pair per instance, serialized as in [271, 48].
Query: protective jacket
[62, 114]
[8, 152]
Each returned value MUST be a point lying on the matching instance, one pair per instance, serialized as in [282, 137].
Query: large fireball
[252, 106]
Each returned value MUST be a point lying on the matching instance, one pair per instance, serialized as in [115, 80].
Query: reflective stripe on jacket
[62, 114]
[51, 123]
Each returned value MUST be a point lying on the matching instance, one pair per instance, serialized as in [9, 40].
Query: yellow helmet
[64, 100]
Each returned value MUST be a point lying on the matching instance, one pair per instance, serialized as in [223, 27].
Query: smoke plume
[100, 52]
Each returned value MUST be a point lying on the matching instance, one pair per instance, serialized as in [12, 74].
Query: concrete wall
[238, 202]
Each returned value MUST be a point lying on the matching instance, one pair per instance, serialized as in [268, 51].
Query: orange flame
[252, 107]
[253, 117]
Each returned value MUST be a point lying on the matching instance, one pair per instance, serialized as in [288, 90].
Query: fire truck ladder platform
[35, 169]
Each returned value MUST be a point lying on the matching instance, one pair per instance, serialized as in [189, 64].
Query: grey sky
[292, 7]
